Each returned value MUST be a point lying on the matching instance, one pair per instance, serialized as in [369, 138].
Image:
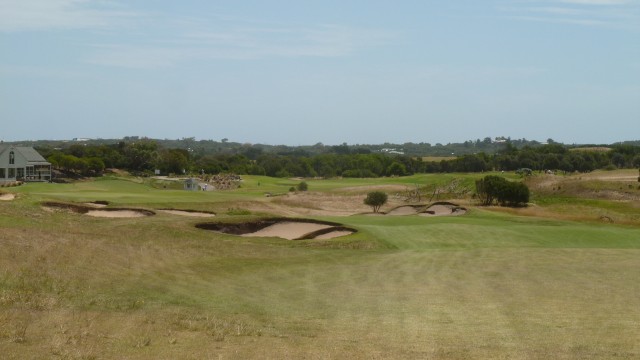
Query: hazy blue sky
[301, 72]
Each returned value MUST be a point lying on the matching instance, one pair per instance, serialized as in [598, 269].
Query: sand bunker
[406, 210]
[91, 210]
[291, 229]
[288, 230]
[116, 213]
[444, 209]
[7, 196]
[191, 213]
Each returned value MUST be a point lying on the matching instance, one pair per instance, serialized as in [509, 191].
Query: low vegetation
[146, 156]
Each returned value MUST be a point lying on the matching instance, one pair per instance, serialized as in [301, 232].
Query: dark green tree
[497, 189]
[396, 169]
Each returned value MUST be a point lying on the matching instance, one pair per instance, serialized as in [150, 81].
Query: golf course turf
[492, 283]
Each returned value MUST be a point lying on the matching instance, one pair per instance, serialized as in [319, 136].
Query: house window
[12, 158]
[12, 173]
[20, 173]
[2, 173]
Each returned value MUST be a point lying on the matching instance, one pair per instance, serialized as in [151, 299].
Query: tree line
[144, 156]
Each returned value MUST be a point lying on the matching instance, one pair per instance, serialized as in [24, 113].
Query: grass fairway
[484, 285]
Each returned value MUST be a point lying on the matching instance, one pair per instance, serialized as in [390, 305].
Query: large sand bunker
[91, 210]
[192, 213]
[291, 229]
[7, 196]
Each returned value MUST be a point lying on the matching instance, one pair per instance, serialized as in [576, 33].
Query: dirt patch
[192, 213]
[91, 210]
[317, 204]
[291, 229]
[7, 196]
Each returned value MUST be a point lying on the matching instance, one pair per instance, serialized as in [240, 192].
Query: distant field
[491, 284]
[592, 149]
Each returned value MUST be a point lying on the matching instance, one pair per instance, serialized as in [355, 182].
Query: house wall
[9, 172]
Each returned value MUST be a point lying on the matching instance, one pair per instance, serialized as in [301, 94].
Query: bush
[376, 199]
[303, 186]
[497, 189]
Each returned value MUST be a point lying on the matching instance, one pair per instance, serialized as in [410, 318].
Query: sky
[331, 71]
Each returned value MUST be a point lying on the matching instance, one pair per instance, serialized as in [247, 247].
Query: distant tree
[396, 169]
[173, 160]
[376, 199]
[141, 155]
[95, 166]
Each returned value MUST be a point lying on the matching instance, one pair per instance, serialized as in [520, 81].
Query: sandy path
[288, 230]
[115, 213]
[187, 213]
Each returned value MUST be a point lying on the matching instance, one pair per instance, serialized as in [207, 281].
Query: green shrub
[303, 186]
[495, 189]
[376, 199]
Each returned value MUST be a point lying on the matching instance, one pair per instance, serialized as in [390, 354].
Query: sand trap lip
[193, 213]
[7, 196]
[333, 234]
[102, 212]
[291, 229]
[441, 208]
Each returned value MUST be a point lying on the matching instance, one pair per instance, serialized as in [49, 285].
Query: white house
[19, 163]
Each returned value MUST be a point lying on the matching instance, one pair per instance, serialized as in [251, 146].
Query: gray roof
[29, 153]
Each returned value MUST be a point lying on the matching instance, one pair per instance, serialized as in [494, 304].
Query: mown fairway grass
[484, 285]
